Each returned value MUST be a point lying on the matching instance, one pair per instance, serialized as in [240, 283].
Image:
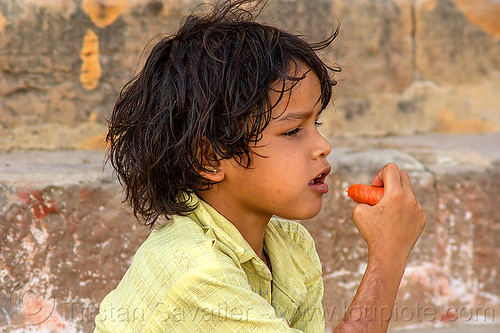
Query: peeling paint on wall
[483, 13]
[3, 22]
[91, 68]
[449, 124]
[94, 142]
[92, 117]
[104, 12]
[429, 4]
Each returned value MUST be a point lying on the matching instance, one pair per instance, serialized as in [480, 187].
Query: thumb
[360, 213]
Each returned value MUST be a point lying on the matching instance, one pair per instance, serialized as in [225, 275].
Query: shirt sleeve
[215, 297]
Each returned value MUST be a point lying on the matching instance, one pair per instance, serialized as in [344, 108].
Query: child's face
[296, 154]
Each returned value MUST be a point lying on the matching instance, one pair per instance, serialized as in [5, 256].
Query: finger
[389, 177]
[406, 181]
[360, 213]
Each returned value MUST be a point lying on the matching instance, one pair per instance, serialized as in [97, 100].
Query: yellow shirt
[197, 273]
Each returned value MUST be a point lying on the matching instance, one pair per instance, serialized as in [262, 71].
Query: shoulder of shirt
[298, 233]
[173, 251]
[178, 246]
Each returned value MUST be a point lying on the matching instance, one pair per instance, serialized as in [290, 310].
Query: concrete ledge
[66, 239]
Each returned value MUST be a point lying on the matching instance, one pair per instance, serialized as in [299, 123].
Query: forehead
[290, 96]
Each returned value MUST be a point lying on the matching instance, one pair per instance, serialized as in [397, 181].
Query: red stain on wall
[41, 313]
[86, 193]
[39, 207]
[448, 316]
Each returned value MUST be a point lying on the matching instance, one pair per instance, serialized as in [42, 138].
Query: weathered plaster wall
[417, 66]
[408, 66]
[66, 241]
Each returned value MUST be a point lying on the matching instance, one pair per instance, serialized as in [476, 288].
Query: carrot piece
[365, 194]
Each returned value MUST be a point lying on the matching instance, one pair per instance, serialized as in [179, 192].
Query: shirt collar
[292, 266]
[217, 226]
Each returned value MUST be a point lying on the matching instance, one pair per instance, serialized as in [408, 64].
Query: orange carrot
[365, 194]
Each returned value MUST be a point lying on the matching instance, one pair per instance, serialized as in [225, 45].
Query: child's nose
[323, 147]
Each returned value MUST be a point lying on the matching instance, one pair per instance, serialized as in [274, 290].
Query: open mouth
[320, 179]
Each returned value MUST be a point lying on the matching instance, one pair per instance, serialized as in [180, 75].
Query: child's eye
[296, 130]
[293, 132]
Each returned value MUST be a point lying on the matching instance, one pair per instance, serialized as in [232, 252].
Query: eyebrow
[296, 116]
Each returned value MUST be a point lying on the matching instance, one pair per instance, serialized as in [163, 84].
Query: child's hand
[391, 227]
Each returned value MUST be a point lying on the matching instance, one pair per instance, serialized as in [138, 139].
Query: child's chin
[316, 210]
[313, 215]
[310, 213]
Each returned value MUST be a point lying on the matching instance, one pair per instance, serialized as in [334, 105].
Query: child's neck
[251, 226]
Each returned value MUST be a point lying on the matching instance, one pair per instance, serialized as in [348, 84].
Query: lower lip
[319, 187]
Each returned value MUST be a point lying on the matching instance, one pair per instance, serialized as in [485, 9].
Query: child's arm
[391, 229]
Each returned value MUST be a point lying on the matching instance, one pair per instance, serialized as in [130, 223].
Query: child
[218, 134]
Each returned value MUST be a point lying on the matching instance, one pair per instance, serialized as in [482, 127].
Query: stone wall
[408, 66]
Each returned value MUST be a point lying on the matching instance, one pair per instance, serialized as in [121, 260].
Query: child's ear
[213, 169]
[215, 173]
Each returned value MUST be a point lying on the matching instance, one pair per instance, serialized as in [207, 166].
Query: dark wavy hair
[203, 89]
